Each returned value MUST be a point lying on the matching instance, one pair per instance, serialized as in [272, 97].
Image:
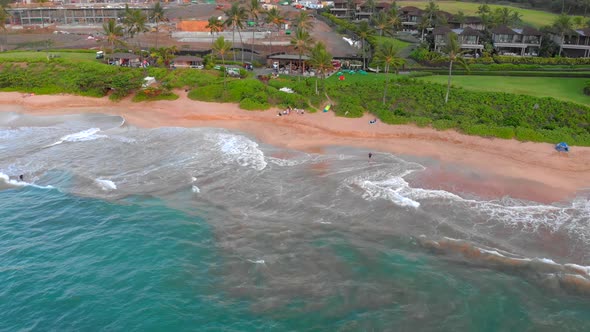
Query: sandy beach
[485, 167]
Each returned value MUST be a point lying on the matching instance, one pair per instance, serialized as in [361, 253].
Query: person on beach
[370, 155]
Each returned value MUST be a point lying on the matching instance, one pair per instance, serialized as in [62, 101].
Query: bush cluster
[587, 88]
[491, 114]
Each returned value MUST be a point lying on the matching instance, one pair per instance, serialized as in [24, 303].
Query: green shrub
[252, 105]
[587, 88]
[154, 93]
[212, 92]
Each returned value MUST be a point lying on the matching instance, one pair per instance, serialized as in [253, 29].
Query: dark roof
[288, 57]
[383, 5]
[530, 31]
[503, 30]
[411, 10]
[188, 58]
[441, 30]
[468, 31]
[447, 15]
[123, 56]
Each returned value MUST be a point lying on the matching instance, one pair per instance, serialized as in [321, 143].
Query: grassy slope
[399, 44]
[43, 55]
[533, 17]
[568, 89]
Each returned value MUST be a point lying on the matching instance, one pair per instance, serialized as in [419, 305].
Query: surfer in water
[370, 155]
[21, 178]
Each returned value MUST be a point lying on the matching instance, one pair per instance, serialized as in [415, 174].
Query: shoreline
[495, 167]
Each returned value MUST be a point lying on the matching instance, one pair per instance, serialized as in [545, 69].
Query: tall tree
[303, 20]
[393, 20]
[157, 15]
[113, 33]
[364, 32]
[4, 15]
[563, 24]
[387, 55]
[301, 41]
[460, 17]
[453, 51]
[164, 55]
[380, 21]
[254, 11]
[214, 25]
[321, 61]
[135, 21]
[370, 5]
[236, 15]
[274, 16]
[221, 47]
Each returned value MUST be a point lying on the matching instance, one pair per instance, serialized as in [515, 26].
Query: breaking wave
[81, 136]
[240, 150]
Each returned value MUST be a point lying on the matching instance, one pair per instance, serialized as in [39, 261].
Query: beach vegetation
[321, 60]
[587, 89]
[276, 18]
[387, 56]
[301, 42]
[221, 47]
[113, 33]
[254, 11]
[153, 93]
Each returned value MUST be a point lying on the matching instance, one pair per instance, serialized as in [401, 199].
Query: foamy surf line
[17, 183]
[81, 136]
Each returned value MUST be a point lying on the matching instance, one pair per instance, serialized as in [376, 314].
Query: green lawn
[76, 56]
[568, 89]
[533, 17]
[399, 44]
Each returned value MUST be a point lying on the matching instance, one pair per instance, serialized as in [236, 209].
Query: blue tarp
[562, 147]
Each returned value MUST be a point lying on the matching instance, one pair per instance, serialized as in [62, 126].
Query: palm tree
[221, 47]
[563, 24]
[164, 55]
[236, 16]
[364, 32]
[4, 15]
[370, 4]
[135, 21]
[113, 32]
[460, 17]
[254, 10]
[321, 61]
[215, 26]
[393, 20]
[380, 21]
[431, 11]
[387, 54]
[303, 20]
[301, 42]
[274, 16]
[157, 15]
[453, 51]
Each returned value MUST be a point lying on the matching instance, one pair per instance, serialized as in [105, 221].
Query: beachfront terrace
[468, 38]
[516, 42]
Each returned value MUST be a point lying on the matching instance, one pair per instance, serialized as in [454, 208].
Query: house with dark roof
[410, 17]
[341, 9]
[473, 22]
[575, 43]
[468, 38]
[520, 42]
[364, 12]
[187, 61]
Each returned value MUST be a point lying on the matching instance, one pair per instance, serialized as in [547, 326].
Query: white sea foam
[195, 189]
[286, 162]
[240, 150]
[579, 268]
[106, 185]
[81, 136]
[258, 261]
[6, 179]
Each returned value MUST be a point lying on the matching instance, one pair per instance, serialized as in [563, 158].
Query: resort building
[468, 38]
[410, 17]
[187, 61]
[473, 22]
[342, 9]
[575, 44]
[93, 14]
[519, 42]
[365, 12]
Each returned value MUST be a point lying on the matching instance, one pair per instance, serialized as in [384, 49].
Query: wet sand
[484, 167]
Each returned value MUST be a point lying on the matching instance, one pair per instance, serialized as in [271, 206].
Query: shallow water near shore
[115, 227]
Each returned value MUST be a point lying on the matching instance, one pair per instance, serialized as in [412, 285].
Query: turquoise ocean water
[121, 229]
